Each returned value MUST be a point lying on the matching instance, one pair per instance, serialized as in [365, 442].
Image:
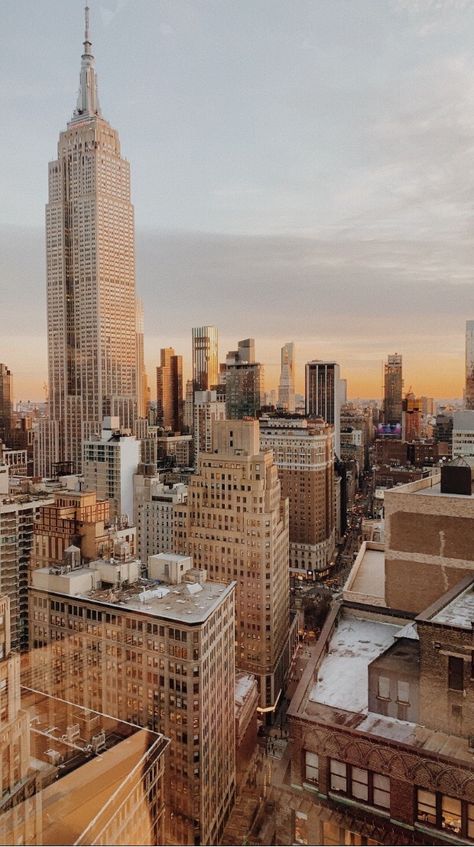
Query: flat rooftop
[343, 676]
[366, 580]
[459, 612]
[188, 602]
[334, 691]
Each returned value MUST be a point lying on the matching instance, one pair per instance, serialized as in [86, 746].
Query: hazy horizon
[300, 172]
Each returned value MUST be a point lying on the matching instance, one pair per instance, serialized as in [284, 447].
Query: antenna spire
[88, 100]
[86, 16]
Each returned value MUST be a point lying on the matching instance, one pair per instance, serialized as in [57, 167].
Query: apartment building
[109, 464]
[18, 515]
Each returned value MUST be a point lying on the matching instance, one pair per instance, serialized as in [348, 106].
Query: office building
[207, 410]
[69, 775]
[393, 386]
[286, 388]
[169, 390]
[243, 380]
[6, 403]
[304, 455]
[109, 464]
[463, 435]
[323, 393]
[91, 302]
[205, 358]
[158, 652]
[235, 525]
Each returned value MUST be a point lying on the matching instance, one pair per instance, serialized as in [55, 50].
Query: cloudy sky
[301, 170]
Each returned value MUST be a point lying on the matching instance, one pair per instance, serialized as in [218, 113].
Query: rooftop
[186, 602]
[339, 697]
[366, 580]
[459, 612]
[342, 677]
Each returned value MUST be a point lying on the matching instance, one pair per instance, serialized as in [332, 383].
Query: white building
[109, 465]
[154, 506]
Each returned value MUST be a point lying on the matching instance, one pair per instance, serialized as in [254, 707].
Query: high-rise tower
[92, 326]
[205, 357]
[393, 385]
[286, 388]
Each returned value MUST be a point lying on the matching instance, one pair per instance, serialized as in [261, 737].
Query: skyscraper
[205, 357]
[286, 388]
[243, 382]
[393, 384]
[92, 308]
[235, 525]
[323, 389]
[6, 402]
[169, 390]
[469, 394]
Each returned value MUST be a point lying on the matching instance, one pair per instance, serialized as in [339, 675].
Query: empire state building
[92, 308]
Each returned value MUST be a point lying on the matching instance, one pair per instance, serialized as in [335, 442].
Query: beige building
[429, 541]
[157, 653]
[207, 410]
[304, 454]
[235, 525]
[90, 250]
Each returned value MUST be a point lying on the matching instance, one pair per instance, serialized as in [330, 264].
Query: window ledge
[349, 801]
[441, 833]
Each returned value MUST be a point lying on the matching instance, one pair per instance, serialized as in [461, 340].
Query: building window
[455, 673]
[403, 692]
[444, 812]
[338, 776]
[312, 767]
[384, 688]
[360, 784]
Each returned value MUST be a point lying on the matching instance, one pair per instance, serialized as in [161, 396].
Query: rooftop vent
[456, 478]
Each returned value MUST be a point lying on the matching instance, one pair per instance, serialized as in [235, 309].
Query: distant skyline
[301, 171]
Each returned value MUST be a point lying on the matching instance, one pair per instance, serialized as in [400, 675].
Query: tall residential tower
[286, 388]
[90, 250]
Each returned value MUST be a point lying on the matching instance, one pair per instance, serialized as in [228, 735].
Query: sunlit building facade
[205, 357]
[91, 303]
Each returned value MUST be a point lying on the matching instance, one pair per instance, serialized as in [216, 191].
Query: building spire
[88, 99]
